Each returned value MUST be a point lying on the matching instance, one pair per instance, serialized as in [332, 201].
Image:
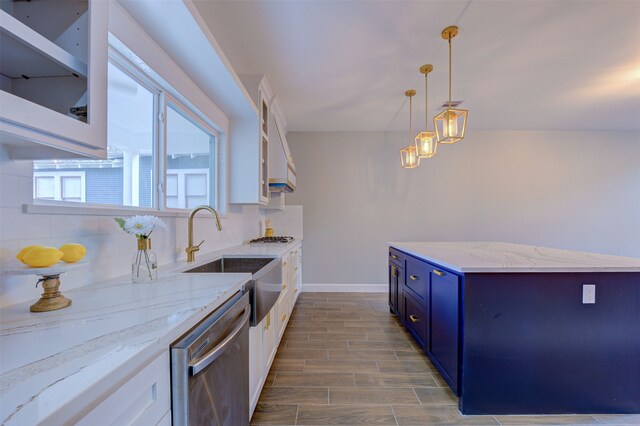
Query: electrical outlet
[588, 294]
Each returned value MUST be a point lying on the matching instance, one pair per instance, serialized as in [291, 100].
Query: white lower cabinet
[256, 376]
[145, 399]
[264, 339]
[269, 340]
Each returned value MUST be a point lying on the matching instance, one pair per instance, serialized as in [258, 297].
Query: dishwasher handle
[220, 348]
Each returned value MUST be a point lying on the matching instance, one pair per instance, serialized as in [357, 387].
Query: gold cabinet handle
[393, 256]
[268, 323]
[414, 277]
[284, 286]
[284, 317]
[414, 318]
[394, 271]
[438, 273]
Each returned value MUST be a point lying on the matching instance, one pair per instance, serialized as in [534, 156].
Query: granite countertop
[492, 257]
[54, 364]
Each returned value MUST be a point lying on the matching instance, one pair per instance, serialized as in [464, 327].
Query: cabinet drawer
[417, 280]
[415, 318]
[396, 256]
[143, 400]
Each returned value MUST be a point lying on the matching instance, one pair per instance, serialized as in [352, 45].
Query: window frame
[214, 169]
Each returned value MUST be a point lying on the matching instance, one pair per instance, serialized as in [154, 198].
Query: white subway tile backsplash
[74, 226]
[8, 187]
[16, 225]
[15, 168]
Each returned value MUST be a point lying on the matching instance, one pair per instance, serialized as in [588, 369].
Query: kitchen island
[516, 329]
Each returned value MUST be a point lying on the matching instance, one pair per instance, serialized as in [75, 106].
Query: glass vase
[144, 265]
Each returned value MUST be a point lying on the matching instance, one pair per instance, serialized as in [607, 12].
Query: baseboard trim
[345, 288]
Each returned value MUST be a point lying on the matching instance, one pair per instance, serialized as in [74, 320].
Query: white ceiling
[518, 65]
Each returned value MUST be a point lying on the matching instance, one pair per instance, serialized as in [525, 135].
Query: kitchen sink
[234, 264]
[264, 287]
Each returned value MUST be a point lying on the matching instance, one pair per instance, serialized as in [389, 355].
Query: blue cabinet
[426, 299]
[525, 343]
[396, 281]
[444, 325]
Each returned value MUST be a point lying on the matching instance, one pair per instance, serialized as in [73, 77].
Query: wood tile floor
[345, 360]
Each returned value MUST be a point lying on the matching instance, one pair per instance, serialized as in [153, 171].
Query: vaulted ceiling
[518, 65]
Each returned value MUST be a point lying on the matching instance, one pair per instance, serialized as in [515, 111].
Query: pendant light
[408, 155]
[426, 142]
[451, 123]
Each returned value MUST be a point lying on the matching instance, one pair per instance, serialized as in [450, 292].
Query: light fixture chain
[410, 114]
[426, 106]
[449, 71]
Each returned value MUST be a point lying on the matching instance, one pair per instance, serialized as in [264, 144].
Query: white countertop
[53, 364]
[507, 257]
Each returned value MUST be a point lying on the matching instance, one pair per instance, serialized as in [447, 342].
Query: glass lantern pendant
[426, 142]
[409, 158]
[451, 123]
[408, 155]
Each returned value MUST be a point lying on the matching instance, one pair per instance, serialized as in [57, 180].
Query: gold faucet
[191, 249]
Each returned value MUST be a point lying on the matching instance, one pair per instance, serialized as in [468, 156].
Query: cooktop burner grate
[277, 239]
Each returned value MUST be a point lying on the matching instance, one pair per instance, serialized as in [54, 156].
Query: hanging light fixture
[451, 123]
[408, 155]
[426, 141]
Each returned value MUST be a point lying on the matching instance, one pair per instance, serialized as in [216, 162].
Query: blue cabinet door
[394, 273]
[444, 325]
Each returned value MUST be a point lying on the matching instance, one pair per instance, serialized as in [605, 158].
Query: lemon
[24, 251]
[41, 257]
[72, 252]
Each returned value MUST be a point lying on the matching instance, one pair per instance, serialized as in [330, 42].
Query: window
[136, 135]
[189, 160]
[59, 185]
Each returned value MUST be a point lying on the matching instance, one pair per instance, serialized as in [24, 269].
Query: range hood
[282, 171]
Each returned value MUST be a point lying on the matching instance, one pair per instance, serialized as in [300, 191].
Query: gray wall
[573, 190]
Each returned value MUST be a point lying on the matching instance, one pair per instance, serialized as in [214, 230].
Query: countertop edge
[401, 246]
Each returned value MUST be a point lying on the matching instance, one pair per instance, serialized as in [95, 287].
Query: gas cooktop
[275, 239]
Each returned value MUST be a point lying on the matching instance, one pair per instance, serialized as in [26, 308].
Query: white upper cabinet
[249, 147]
[53, 78]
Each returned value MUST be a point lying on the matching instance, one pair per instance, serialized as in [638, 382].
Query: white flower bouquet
[140, 226]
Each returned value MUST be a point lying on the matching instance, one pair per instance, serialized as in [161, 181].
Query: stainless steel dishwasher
[210, 368]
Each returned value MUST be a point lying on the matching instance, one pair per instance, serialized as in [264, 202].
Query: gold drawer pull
[268, 324]
[393, 256]
[438, 273]
[284, 286]
[284, 317]
[414, 318]
[394, 271]
[414, 277]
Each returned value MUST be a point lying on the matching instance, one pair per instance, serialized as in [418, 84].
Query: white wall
[573, 190]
